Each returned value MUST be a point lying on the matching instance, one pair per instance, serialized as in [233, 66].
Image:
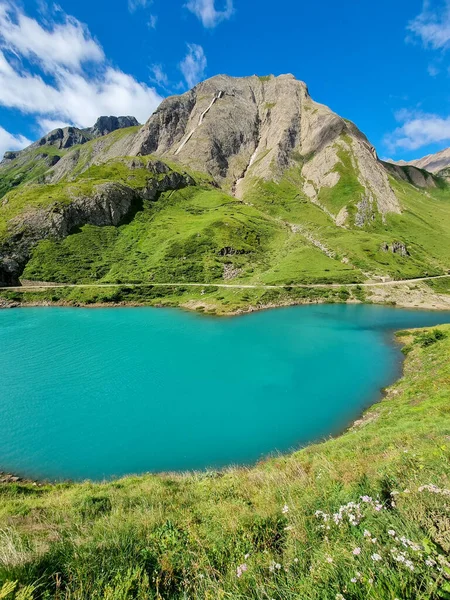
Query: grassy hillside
[201, 234]
[362, 516]
[275, 236]
[26, 168]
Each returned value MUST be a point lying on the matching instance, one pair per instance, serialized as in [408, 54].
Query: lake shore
[231, 300]
[401, 297]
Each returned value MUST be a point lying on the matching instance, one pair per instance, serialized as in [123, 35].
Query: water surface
[92, 393]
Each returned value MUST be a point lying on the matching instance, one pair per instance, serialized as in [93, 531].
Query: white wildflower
[376, 557]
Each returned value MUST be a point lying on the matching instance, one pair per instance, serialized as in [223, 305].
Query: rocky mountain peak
[240, 130]
[105, 125]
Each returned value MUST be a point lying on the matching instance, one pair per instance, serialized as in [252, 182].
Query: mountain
[242, 179]
[26, 165]
[438, 164]
[239, 130]
[434, 163]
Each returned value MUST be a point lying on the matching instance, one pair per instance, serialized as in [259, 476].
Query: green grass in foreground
[363, 516]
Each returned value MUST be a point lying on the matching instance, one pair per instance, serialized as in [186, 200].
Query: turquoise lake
[95, 393]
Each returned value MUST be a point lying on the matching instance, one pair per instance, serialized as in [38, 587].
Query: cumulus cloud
[206, 11]
[193, 66]
[9, 141]
[418, 129]
[432, 25]
[46, 125]
[60, 85]
[68, 43]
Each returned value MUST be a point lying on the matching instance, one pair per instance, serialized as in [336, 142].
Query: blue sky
[385, 65]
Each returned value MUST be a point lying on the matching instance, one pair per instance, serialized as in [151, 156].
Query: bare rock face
[63, 138]
[242, 129]
[108, 205]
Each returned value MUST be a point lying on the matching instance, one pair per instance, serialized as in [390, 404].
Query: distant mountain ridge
[66, 137]
[434, 163]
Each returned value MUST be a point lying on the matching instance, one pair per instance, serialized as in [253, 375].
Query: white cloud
[206, 11]
[47, 125]
[72, 94]
[418, 130]
[9, 141]
[68, 44]
[158, 75]
[134, 5]
[193, 66]
[432, 25]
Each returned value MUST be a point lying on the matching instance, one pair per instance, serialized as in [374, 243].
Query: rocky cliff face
[242, 132]
[242, 129]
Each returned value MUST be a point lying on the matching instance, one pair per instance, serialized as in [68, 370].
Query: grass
[424, 226]
[362, 516]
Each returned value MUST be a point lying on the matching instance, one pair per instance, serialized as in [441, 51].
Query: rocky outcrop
[242, 129]
[105, 125]
[444, 174]
[396, 248]
[10, 155]
[63, 138]
[109, 204]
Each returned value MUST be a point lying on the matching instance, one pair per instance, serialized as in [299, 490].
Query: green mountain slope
[181, 201]
[361, 516]
[199, 234]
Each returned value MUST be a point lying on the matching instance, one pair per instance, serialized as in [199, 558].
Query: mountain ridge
[434, 163]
